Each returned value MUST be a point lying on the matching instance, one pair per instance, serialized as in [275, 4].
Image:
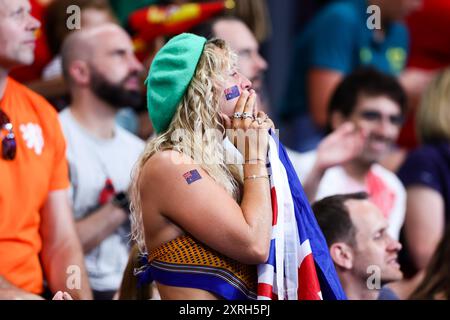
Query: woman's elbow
[258, 254]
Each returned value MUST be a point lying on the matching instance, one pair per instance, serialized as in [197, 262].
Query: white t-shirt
[91, 162]
[390, 191]
[53, 69]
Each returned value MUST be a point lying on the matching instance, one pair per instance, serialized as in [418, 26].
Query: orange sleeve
[60, 175]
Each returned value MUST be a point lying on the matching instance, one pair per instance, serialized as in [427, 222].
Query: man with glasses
[37, 233]
[365, 115]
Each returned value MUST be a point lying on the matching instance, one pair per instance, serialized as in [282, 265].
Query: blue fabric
[301, 134]
[128, 119]
[143, 273]
[214, 283]
[192, 278]
[429, 166]
[308, 228]
[387, 294]
[338, 39]
[271, 259]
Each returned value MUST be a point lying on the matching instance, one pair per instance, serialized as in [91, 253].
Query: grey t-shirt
[91, 162]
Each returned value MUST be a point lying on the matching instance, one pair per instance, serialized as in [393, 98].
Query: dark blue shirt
[386, 293]
[429, 166]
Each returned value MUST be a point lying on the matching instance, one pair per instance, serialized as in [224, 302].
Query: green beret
[171, 72]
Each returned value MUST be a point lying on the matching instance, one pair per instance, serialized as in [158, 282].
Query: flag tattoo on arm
[192, 176]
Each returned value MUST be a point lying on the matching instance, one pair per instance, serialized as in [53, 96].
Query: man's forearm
[62, 257]
[69, 260]
[312, 182]
[8, 291]
[99, 225]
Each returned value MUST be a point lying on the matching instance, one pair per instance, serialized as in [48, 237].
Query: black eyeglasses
[8, 141]
[371, 115]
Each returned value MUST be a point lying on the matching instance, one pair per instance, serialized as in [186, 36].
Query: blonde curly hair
[433, 116]
[197, 113]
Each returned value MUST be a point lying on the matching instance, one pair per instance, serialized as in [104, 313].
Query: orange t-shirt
[39, 167]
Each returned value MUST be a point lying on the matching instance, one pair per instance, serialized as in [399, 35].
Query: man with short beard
[364, 117]
[102, 73]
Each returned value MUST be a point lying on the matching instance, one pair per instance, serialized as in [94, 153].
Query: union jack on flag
[299, 265]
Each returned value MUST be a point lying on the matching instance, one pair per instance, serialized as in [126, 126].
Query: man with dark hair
[102, 73]
[334, 219]
[364, 254]
[365, 116]
[366, 82]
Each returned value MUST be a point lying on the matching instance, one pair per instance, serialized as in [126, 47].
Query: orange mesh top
[185, 250]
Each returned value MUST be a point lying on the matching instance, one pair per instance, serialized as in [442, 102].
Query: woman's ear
[342, 255]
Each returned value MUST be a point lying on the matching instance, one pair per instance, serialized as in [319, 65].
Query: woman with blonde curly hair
[203, 221]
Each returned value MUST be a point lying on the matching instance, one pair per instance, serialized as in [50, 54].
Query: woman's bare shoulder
[166, 160]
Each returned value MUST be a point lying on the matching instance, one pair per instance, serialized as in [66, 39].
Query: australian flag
[192, 176]
[299, 265]
[231, 93]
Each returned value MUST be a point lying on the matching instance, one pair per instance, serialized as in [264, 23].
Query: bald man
[102, 74]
